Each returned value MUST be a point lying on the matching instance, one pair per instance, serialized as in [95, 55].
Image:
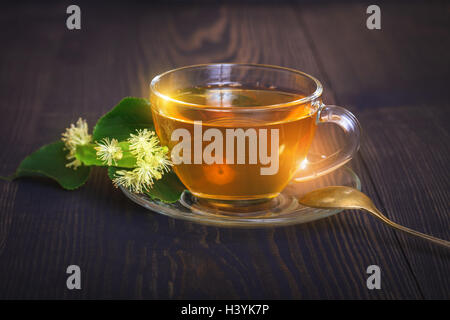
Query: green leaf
[167, 189]
[130, 114]
[112, 172]
[50, 161]
[87, 155]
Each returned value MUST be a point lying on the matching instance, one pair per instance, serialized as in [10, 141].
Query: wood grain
[397, 89]
[51, 76]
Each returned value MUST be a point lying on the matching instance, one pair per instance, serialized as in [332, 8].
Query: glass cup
[239, 133]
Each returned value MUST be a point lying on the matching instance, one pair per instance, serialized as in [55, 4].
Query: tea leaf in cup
[240, 100]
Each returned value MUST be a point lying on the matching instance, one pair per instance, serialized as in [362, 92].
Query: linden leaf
[125, 118]
[88, 156]
[50, 161]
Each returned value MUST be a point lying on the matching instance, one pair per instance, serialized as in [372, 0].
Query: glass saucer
[281, 211]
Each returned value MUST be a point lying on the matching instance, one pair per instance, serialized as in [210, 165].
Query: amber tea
[225, 148]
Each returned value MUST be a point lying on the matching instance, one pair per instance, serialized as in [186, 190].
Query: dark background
[395, 80]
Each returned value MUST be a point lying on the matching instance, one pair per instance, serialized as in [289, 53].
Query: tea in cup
[242, 132]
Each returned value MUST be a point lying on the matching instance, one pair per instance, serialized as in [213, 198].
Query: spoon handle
[375, 212]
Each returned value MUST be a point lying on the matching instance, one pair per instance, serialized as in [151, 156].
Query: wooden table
[395, 80]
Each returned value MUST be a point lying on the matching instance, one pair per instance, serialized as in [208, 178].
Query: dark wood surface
[395, 80]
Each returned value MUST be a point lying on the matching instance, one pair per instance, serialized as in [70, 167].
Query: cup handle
[352, 129]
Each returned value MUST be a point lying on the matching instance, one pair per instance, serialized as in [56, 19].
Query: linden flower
[109, 151]
[159, 159]
[146, 171]
[136, 180]
[151, 162]
[143, 142]
[128, 179]
[76, 135]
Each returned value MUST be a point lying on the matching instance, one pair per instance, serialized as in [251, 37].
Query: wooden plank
[123, 250]
[395, 82]
[22, 80]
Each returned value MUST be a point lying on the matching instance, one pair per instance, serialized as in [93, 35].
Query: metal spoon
[349, 198]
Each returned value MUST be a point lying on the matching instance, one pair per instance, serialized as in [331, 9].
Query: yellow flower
[159, 159]
[74, 136]
[143, 142]
[138, 179]
[109, 151]
[128, 179]
[151, 162]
